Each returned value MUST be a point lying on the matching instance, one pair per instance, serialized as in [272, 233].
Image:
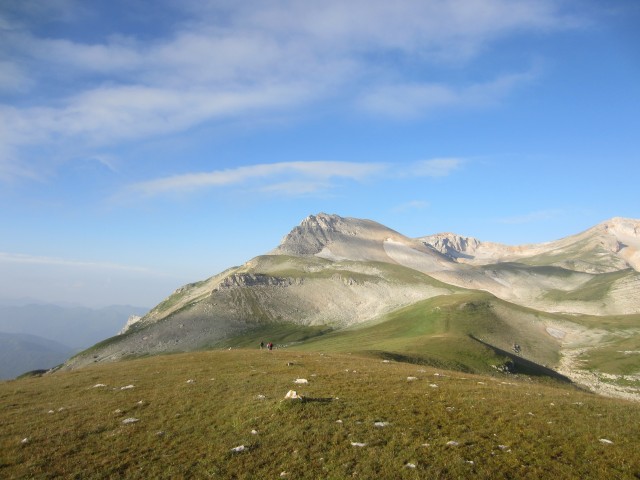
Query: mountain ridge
[332, 273]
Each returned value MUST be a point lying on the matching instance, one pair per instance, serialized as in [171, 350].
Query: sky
[149, 144]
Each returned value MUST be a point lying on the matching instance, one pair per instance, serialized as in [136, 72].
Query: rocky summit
[572, 301]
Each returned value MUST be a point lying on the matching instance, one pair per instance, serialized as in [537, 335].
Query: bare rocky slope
[339, 272]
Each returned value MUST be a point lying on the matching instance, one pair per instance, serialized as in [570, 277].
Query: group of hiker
[269, 345]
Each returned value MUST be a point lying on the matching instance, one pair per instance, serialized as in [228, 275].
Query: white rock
[98, 385]
[254, 432]
[24, 441]
[433, 385]
[411, 379]
[606, 441]
[130, 420]
[410, 465]
[292, 395]
[381, 424]
[239, 448]
[127, 387]
[358, 444]
[452, 443]
[301, 381]
[191, 381]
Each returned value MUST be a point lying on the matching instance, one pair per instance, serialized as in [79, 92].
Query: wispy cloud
[284, 177]
[436, 167]
[291, 178]
[412, 205]
[407, 101]
[219, 61]
[19, 258]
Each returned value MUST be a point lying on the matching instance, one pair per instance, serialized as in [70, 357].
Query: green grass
[504, 427]
[437, 332]
[595, 289]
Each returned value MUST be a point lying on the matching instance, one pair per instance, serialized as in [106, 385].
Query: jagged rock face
[239, 280]
[452, 245]
[132, 320]
[313, 234]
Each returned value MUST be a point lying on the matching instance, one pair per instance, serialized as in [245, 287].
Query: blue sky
[144, 145]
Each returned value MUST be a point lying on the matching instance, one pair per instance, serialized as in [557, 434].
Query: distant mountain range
[331, 275]
[40, 336]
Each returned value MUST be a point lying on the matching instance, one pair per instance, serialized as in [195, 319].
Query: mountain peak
[335, 237]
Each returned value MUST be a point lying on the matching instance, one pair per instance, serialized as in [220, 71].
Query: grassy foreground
[362, 418]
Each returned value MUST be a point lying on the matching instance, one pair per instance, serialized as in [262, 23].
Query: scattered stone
[301, 381]
[254, 432]
[504, 448]
[410, 465]
[61, 409]
[605, 441]
[481, 383]
[238, 449]
[450, 409]
[51, 411]
[260, 397]
[386, 361]
[160, 433]
[292, 395]
[433, 385]
[381, 424]
[191, 381]
[141, 402]
[117, 410]
[358, 444]
[99, 385]
[452, 443]
[126, 421]
[411, 379]
[127, 387]
[470, 462]
[283, 474]
[24, 441]
[338, 421]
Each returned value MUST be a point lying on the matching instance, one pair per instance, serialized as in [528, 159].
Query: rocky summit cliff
[334, 272]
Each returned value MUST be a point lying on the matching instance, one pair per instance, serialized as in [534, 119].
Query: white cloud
[222, 60]
[417, 99]
[283, 177]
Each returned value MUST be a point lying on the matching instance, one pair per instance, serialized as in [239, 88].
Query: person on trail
[261, 344]
[270, 346]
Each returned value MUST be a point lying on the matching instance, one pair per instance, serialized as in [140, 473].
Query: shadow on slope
[445, 332]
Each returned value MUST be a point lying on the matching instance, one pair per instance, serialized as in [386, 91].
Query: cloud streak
[284, 178]
[291, 178]
[24, 259]
[223, 61]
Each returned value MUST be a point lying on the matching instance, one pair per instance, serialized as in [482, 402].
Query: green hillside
[180, 416]
[439, 332]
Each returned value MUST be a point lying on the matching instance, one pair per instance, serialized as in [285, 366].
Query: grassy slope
[504, 427]
[437, 332]
[595, 289]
